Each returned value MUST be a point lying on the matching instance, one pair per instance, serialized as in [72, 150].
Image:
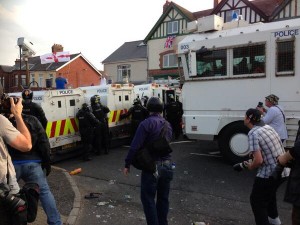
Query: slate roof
[6, 69]
[128, 51]
[268, 7]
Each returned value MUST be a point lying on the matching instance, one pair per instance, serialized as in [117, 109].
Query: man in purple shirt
[157, 183]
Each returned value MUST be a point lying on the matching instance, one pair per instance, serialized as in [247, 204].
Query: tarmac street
[205, 189]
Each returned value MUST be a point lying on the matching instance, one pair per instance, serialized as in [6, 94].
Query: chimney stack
[166, 6]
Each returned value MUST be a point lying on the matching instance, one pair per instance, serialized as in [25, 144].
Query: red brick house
[79, 72]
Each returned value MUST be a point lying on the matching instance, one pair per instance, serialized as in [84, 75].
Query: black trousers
[263, 199]
[296, 215]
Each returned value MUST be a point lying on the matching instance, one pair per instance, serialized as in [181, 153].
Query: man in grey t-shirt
[20, 139]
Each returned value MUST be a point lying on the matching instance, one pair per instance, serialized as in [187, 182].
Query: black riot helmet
[95, 99]
[85, 107]
[137, 101]
[155, 104]
[27, 94]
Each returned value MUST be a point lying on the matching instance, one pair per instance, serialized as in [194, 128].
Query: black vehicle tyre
[233, 142]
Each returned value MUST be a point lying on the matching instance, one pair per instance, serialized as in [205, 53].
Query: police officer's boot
[86, 156]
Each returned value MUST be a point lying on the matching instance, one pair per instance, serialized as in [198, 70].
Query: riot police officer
[138, 114]
[87, 122]
[32, 108]
[174, 114]
[101, 134]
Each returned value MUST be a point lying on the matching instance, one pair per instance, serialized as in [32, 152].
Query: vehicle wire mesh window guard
[285, 57]
[211, 63]
[249, 60]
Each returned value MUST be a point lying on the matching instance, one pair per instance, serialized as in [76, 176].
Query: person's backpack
[30, 193]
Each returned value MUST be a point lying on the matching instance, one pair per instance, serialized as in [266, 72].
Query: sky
[96, 28]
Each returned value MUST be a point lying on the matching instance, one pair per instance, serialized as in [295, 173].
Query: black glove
[46, 167]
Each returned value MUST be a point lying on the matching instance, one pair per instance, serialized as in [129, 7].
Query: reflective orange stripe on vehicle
[115, 115]
[61, 127]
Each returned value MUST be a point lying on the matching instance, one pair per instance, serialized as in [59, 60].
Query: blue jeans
[156, 213]
[32, 172]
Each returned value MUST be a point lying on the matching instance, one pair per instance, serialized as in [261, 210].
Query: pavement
[66, 194]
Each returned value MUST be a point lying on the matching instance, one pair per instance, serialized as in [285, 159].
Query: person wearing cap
[264, 146]
[155, 187]
[292, 193]
[274, 116]
[138, 113]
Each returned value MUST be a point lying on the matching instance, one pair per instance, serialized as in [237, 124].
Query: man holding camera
[265, 146]
[20, 139]
[274, 116]
[34, 166]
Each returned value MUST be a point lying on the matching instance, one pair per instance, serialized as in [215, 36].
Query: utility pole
[27, 52]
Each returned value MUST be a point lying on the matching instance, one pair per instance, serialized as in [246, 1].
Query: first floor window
[172, 27]
[23, 80]
[3, 81]
[124, 73]
[16, 80]
[170, 60]
[41, 80]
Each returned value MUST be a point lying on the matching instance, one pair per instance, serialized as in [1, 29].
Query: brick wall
[80, 73]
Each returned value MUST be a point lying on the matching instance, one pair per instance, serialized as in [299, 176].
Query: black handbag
[30, 193]
[160, 147]
[144, 158]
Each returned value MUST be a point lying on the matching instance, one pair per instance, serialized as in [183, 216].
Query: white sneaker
[275, 221]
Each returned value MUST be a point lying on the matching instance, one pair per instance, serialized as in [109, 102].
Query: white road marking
[215, 153]
[209, 155]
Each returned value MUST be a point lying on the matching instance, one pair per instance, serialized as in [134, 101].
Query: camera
[13, 202]
[241, 166]
[5, 103]
[260, 104]
[276, 173]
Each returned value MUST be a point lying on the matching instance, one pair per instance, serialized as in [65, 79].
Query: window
[285, 58]
[3, 81]
[211, 63]
[244, 61]
[232, 15]
[16, 80]
[51, 77]
[249, 60]
[23, 80]
[32, 78]
[170, 60]
[172, 27]
[124, 73]
[126, 98]
[72, 102]
[41, 80]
